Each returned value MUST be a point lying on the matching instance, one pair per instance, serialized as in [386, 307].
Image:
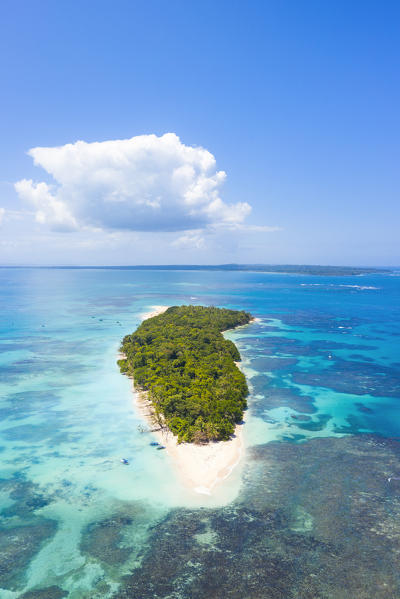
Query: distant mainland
[301, 269]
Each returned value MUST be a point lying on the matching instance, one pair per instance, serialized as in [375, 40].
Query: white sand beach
[155, 311]
[200, 468]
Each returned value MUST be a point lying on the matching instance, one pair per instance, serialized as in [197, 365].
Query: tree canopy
[188, 368]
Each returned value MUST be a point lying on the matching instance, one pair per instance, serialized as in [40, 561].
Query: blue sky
[296, 102]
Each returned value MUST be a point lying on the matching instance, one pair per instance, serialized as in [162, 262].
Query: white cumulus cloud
[49, 209]
[146, 183]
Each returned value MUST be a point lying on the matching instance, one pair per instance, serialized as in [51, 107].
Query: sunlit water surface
[308, 513]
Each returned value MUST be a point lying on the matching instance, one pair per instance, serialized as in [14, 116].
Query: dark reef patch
[318, 320]
[355, 425]
[357, 378]
[25, 496]
[52, 592]
[359, 357]
[266, 364]
[314, 520]
[39, 365]
[275, 397]
[275, 353]
[323, 344]
[301, 417]
[102, 540]
[115, 539]
[36, 433]
[22, 532]
[363, 408]
[275, 346]
[31, 401]
[18, 545]
[315, 425]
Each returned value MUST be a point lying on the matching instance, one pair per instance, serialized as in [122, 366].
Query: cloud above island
[146, 183]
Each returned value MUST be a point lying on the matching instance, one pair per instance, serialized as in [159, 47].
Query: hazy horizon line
[201, 265]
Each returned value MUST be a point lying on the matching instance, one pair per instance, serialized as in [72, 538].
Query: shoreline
[156, 310]
[200, 468]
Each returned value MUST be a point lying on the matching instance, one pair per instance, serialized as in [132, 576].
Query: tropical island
[186, 366]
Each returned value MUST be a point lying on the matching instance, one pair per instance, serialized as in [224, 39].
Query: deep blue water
[322, 432]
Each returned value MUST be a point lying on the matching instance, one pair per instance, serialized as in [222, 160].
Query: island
[189, 386]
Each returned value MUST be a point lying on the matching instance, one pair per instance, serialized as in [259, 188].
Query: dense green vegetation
[188, 368]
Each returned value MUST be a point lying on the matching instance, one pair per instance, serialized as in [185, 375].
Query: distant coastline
[299, 269]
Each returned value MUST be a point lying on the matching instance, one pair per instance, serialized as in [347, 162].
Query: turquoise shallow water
[323, 364]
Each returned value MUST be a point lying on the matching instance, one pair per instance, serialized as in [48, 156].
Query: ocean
[312, 511]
